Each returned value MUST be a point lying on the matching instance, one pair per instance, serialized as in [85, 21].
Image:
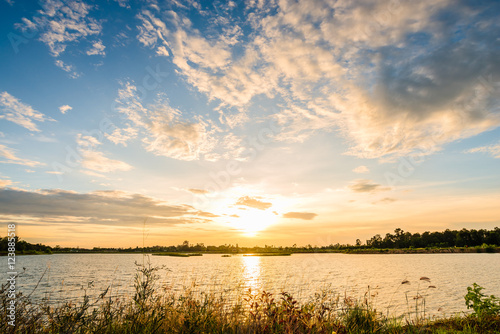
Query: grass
[155, 309]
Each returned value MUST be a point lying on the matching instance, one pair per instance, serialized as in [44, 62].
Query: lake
[67, 276]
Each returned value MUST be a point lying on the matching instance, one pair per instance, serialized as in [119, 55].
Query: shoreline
[457, 250]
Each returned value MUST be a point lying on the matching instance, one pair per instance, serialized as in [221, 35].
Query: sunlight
[251, 221]
[251, 272]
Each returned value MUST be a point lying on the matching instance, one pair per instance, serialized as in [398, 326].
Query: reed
[156, 309]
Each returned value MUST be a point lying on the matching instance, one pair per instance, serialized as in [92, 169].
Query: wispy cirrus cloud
[13, 110]
[67, 68]
[493, 150]
[300, 215]
[96, 161]
[198, 191]
[122, 136]
[366, 186]
[9, 157]
[5, 183]
[361, 170]
[253, 202]
[386, 200]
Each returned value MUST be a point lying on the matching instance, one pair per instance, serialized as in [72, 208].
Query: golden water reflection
[252, 273]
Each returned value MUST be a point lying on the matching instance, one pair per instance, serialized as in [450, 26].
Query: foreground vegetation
[153, 309]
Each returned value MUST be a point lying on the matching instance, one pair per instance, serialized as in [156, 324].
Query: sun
[251, 221]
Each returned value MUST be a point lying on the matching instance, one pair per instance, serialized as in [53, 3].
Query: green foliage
[481, 304]
[447, 238]
[153, 309]
[23, 247]
[362, 319]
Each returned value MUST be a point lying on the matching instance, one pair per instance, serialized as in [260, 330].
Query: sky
[130, 123]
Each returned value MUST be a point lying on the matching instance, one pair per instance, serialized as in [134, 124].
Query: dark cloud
[300, 215]
[105, 207]
[367, 186]
[253, 202]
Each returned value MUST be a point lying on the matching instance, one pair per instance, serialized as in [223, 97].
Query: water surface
[69, 276]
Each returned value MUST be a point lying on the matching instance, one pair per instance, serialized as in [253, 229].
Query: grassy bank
[153, 309]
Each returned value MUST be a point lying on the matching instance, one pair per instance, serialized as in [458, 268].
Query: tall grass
[156, 309]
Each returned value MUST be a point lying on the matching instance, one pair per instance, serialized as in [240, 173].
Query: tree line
[447, 238]
[398, 239]
[24, 247]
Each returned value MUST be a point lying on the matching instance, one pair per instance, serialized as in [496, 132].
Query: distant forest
[448, 238]
[397, 240]
[24, 247]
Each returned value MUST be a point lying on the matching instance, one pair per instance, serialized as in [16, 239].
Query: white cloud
[96, 161]
[122, 136]
[20, 113]
[65, 108]
[392, 78]
[213, 72]
[10, 157]
[5, 183]
[97, 49]
[163, 129]
[61, 23]
[493, 150]
[253, 202]
[123, 3]
[86, 141]
[361, 170]
[162, 51]
[67, 68]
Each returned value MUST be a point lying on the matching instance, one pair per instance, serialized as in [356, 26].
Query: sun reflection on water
[252, 273]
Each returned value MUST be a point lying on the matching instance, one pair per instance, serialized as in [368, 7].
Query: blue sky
[258, 122]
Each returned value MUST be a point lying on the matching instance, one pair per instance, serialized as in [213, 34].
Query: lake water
[303, 275]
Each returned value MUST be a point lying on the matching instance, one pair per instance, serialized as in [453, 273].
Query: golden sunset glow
[251, 221]
[259, 122]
